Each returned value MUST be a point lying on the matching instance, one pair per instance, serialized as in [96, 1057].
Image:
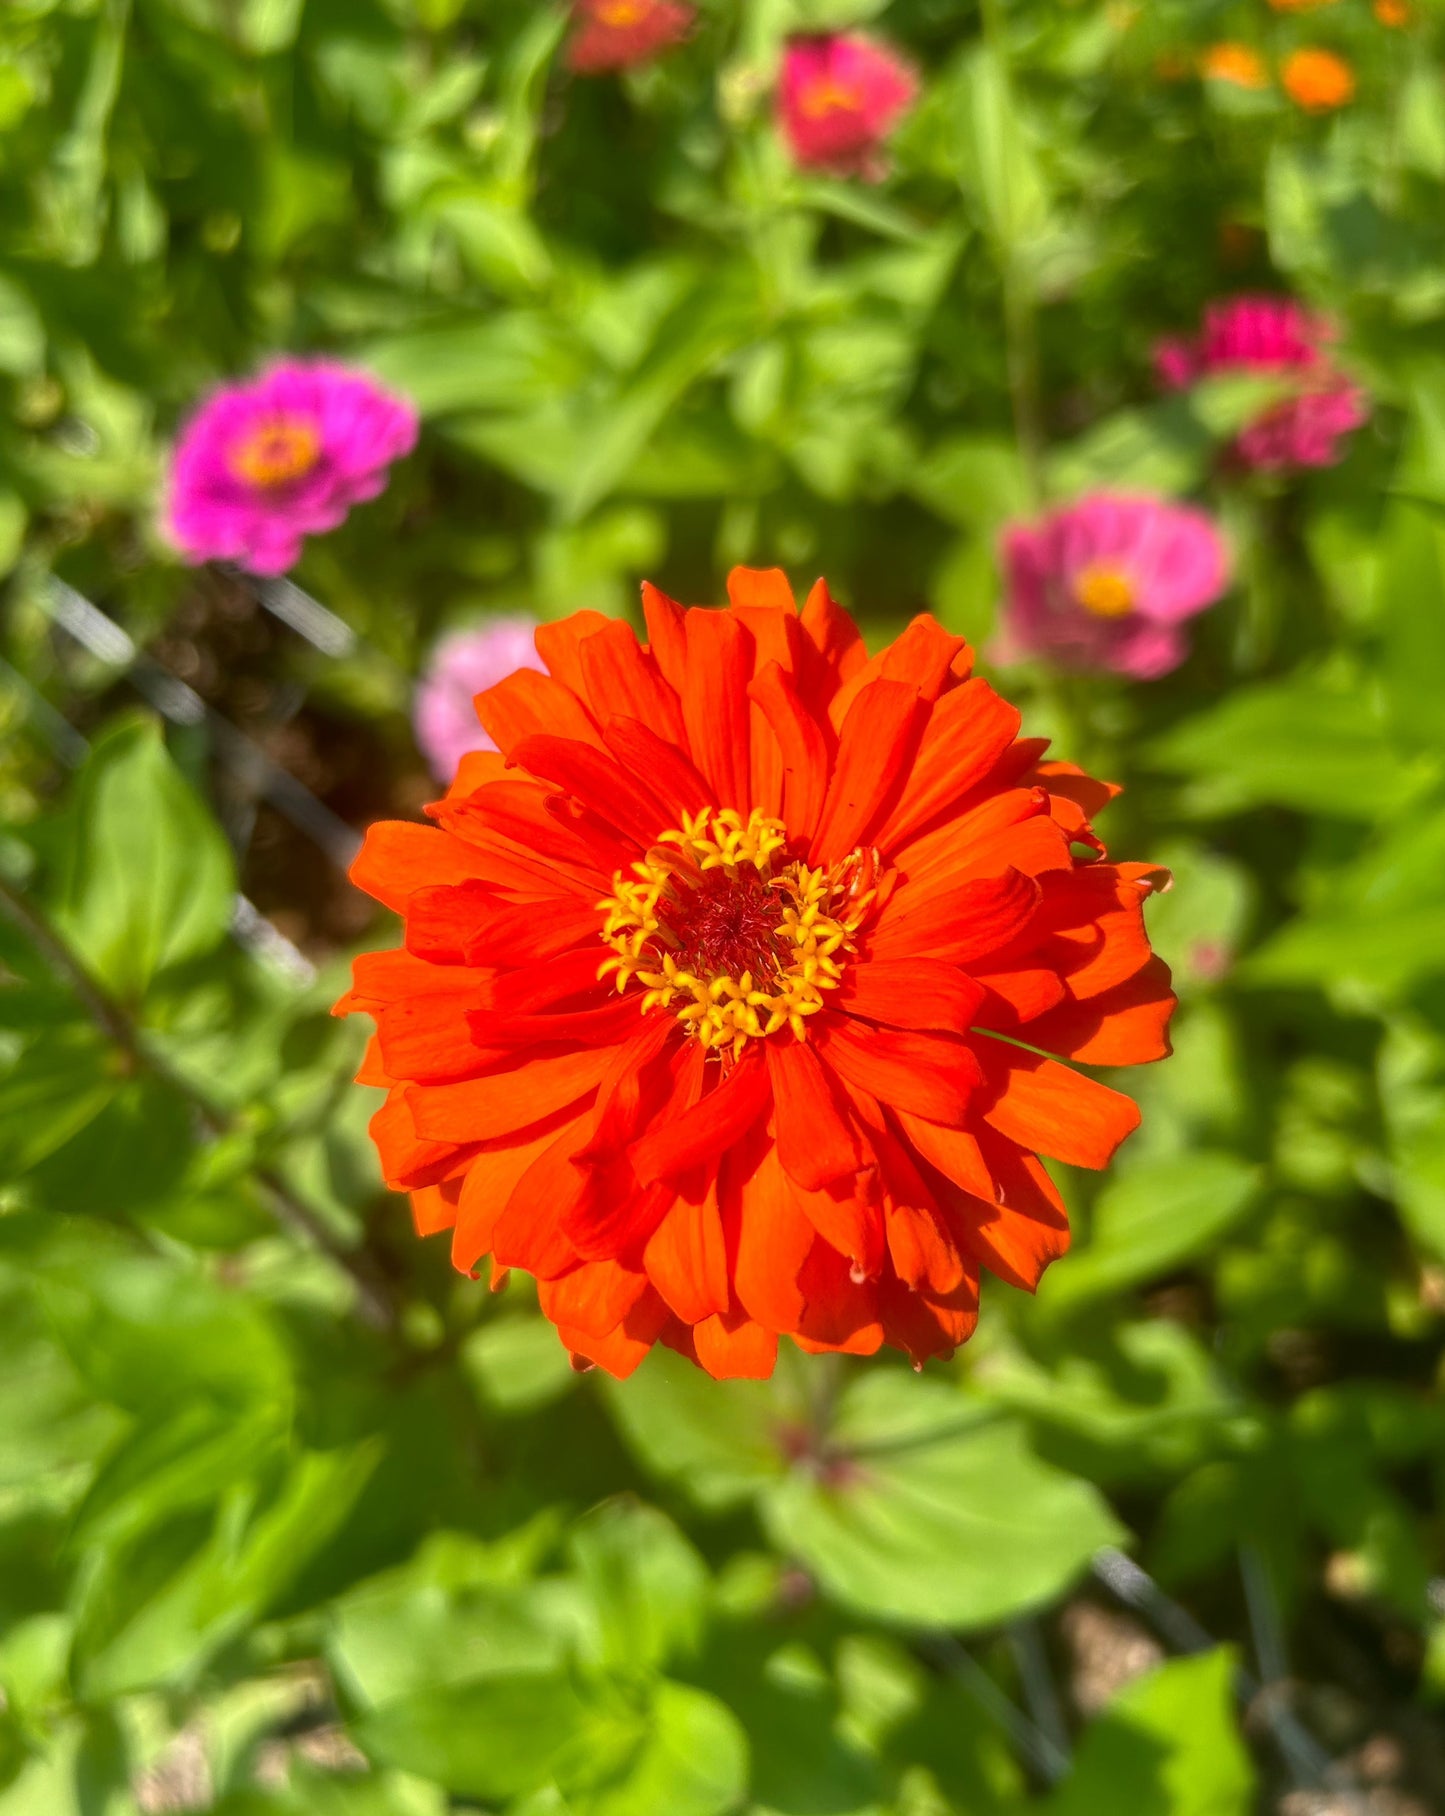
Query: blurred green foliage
[285, 1505]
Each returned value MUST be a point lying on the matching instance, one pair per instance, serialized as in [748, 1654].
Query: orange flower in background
[1236, 64]
[1318, 80]
[739, 981]
[1395, 14]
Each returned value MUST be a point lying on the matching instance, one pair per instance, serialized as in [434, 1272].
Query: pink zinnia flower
[263, 464]
[615, 34]
[461, 667]
[838, 98]
[1273, 337]
[1105, 583]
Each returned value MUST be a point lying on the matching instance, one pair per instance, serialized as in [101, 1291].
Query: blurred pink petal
[1273, 336]
[462, 666]
[1106, 582]
[263, 464]
[839, 96]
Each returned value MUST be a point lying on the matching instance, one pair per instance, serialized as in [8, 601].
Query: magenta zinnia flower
[1105, 583]
[616, 34]
[263, 464]
[838, 98]
[1273, 337]
[461, 667]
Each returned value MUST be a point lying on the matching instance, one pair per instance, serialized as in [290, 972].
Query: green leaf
[645, 1581]
[496, 1737]
[924, 1508]
[149, 880]
[1147, 1221]
[719, 1440]
[50, 1091]
[1167, 1745]
[242, 1569]
[1413, 589]
[1294, 743]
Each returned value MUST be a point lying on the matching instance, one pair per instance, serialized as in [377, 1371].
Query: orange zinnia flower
[1393, 13]
[1236, 64]
[1317, 80]
[737, 982]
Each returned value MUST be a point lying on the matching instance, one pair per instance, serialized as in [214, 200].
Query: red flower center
[726, 925]
[732, 934]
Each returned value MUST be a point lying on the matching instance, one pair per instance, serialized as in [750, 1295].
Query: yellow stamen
[818, 911]
[276, 452]
[622, 15]
[828, 96]
[1104, 591]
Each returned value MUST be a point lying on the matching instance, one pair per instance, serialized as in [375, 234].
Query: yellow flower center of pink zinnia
[827, 96]
[622, 15]
[719, 925]
[276, 452]
[1104, 591]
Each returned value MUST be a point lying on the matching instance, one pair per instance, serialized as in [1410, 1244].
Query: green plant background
[292, 1518]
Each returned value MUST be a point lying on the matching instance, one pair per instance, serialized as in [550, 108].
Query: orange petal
[735, 1349]
[493, 1174]
[1125, 1026]
[839, 1313]
[426, 1037]
[686, 1258]
[708, 1128]
[926, 1325]
[666, 635]
[559, 645]
[911, 993]
[397, 858]
[967, 731]
[922, 657]
[803, 750]
[593, 1298]
[1016, 994]
[933, 1075]
[481, 1109]
[836, 643]
[671, 776]
[596, 779]
[468, 923]
[622, 680]
[960, 924]
[378, 978]
[529, 704]
[953, 1152]
[767, 587]
[434, 1207]
[1044, 1106]
[768, 1236]
[410, 1160]
[619, 1351]
[847, 1218]
[816, 1141]
[715, 703]
[873, 750]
